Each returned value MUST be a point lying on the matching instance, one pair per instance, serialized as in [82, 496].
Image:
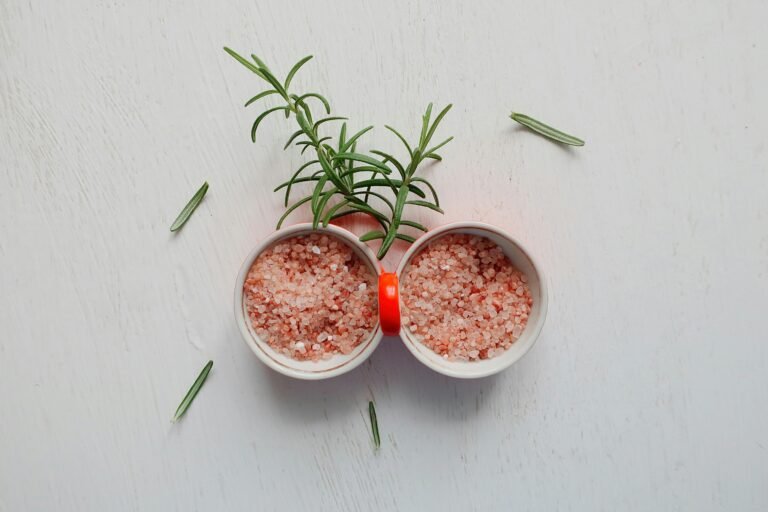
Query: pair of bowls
[339, 364]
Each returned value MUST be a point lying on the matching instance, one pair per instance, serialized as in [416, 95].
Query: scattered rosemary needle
[192, 393]
[189, 208]
[374, 425]
[546, 130]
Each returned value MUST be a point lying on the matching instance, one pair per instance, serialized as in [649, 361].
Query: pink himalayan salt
[463, 298]
[310, 297]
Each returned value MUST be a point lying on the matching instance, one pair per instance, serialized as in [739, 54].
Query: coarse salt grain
[296, 291]
[459, 293]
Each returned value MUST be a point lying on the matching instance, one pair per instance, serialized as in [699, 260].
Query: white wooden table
[649, 387]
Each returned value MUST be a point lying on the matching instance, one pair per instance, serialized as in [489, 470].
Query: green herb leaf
[387, 157]
[289, 210]
[435, 148]
[315, 95]
[546, 130]
[259, 62]
[431, 131]
[365, 159]
[372, 235]
[294, 69]
[332, 211]
[413, 224]
[321, 207]
[260, 95]
[317, 192]
[376, 194]
[426, 204]
[325, 120]
[431, 189]
[374, 425]
[187, 211]
[402, 139]
[259, 119]
[244, 62]
[353, 139]
[425, 125]
[192, 393]
[297, 133]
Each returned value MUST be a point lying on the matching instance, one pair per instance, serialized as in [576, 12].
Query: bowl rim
[533, 331]
[262, 349]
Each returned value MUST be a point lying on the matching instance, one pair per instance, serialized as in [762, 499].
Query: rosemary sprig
[192, 393]
[546, 130]
[187, 211]
[344, 180]
[374, 425]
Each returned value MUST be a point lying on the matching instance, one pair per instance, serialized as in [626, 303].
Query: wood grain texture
[649, 386]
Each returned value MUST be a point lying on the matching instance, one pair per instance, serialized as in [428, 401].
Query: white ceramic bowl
[536, 281]
[310, 370]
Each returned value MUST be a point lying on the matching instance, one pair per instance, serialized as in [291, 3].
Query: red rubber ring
[389, 304]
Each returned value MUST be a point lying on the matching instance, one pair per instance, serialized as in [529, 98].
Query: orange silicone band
[389, 304]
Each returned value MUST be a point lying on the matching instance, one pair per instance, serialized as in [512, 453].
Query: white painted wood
[649, 387]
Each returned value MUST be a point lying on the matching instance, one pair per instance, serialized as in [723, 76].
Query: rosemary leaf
[432, 129]
[325, 120]
[192, 393]
[364, 159]
[244, 62]
[402, 139]
[374, 424]
[294, 69]
[546, 130]
[348, 144]
[413, 224]
[372, 235]
[186, 212]
[426, 204]
[260, 95]
[387, 157]
[293, 137]
[425, 125]
[435, 148]
[289, 210]
[319, 97]
[321, 207]
[332, 211]
[431, 188]
[259, 63]
[261, 118]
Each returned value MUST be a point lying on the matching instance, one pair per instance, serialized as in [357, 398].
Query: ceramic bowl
[309, 370]
[536, 281]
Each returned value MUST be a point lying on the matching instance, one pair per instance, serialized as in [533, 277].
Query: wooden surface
[649, 387]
